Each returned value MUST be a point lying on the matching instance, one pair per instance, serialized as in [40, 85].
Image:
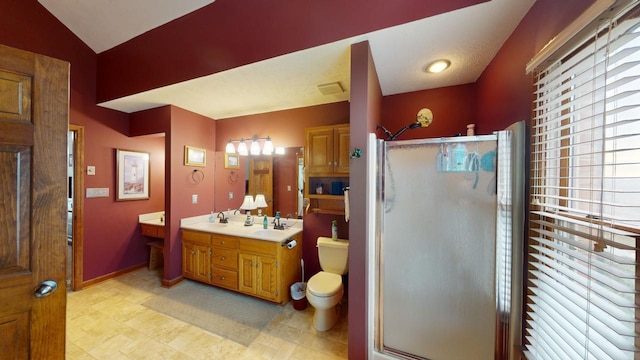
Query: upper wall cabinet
[326, 168]
[327, 150]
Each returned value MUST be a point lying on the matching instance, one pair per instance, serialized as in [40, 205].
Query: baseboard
[173, 282]
[112, 275]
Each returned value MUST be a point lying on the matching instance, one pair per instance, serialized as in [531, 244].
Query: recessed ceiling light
[438, 66]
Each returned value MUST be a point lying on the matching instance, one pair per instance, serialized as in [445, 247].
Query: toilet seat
[324, 284]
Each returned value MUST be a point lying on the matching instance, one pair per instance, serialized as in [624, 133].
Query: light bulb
[242, 148]
[255, 148]
[268, 147]
[230, 148]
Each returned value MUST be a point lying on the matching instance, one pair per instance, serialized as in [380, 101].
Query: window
[583, 283]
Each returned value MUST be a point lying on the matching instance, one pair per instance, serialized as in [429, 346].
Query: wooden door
[341, 150]
[261, 181]
[34, 116]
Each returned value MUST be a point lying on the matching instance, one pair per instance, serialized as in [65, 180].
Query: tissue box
[336, 188]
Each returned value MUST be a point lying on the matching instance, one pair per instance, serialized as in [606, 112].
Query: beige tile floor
[107, 321]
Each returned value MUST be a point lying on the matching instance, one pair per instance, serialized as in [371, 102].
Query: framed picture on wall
[231, 161]
[194, 156]
[132, 175]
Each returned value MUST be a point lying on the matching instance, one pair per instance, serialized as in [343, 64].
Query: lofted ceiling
[469, 37]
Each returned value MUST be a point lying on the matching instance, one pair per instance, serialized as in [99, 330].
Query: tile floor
[107, 321]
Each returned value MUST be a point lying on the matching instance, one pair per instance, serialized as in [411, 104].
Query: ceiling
[400, 54]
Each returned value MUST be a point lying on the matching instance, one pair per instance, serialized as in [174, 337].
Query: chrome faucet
[236, 211]
[276, 222]
[223, 220]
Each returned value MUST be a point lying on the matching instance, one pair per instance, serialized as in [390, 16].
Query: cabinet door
[196, 261]
[247, 274]
[267, 277]
[319, 151]
[341, 150]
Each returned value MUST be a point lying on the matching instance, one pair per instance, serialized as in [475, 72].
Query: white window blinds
[584, 219]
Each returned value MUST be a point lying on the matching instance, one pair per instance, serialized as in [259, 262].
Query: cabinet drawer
[225, 278]
[224, 257]
[196, 237]
[229, 242]
[262, 247]
[149, 230]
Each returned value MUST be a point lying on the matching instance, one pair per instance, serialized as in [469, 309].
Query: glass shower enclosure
[443, 248]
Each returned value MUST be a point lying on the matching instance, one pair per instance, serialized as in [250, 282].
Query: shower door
[437, 279]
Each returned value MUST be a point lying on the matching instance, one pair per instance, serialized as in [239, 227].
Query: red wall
[112, 240]
[453, 108]
[504, 90]
[212, 39]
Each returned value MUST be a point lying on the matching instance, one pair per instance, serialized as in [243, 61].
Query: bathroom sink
[216, 225]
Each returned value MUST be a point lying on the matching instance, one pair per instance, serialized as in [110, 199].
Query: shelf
[327, 211]
[325, 197]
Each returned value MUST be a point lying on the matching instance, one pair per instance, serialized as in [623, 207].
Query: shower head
[424, 119]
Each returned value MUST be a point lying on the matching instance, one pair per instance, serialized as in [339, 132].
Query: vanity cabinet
[152, 230]
[327, 163]
[258, 273]
[259, 268]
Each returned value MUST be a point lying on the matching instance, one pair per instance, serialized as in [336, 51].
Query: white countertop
[236, 227]
[155, 218]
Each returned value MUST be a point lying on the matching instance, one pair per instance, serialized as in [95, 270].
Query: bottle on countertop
[334, 230]
[265, 222]
[212, 218]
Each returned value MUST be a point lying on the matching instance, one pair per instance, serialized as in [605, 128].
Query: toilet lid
[324, 284]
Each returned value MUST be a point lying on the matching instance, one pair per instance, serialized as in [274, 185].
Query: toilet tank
[333, 255]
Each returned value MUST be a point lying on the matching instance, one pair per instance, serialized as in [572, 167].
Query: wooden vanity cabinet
[152, 230]
[224, 261]
[259, 268]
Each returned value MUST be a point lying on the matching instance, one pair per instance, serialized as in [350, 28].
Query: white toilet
[324, 289]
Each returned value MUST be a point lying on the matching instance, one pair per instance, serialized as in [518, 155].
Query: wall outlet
[288, 187]
[194, 199]
[91, 170]
[230, 195]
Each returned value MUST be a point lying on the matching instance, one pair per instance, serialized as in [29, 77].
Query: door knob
[46, 288]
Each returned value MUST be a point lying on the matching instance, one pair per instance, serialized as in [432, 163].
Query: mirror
[285, 181]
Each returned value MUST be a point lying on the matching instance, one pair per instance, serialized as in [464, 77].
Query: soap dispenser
[265, 222]
[212, 218]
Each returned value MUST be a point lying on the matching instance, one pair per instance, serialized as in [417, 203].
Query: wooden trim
[112, 275]
[587, 21]
[172, 282]
[77, 248]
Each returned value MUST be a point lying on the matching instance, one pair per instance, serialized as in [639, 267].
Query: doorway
[75, 207]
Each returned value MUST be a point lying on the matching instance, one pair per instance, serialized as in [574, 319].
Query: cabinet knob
[221, 277]
[222, 242]
[193, 252]
[222, 258]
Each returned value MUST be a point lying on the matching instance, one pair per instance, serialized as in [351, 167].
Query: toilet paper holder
[289, 243]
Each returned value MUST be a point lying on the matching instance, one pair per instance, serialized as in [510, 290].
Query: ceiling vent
[331, 88]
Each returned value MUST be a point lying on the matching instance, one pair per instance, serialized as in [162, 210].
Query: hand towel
[346, 205]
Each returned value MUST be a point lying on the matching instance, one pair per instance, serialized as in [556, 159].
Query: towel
[346, 205]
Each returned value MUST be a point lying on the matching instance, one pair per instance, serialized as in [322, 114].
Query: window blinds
[584, 218]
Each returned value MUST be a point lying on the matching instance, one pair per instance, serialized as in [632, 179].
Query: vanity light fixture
[267, 146]
[438, 66]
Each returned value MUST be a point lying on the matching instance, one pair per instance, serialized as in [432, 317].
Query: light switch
[288, 187]
[91, 170]
[230, 195]
[97, 192]
[194, 199]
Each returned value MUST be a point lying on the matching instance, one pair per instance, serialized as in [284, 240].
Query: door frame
[77, 245]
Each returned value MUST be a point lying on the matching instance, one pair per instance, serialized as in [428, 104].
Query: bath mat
[237, 317]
